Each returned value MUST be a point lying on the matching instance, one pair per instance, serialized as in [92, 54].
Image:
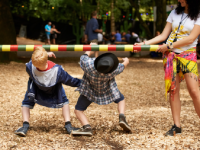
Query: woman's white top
[185, 29]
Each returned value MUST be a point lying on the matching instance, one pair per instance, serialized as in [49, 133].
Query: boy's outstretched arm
[89, 53]
[126, 61]
[51, 54]
[66, 79]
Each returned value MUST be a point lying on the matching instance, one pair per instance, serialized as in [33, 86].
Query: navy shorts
[30, 104]
[83, 102]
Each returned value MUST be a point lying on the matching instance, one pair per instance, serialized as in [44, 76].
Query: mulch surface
[147, 112]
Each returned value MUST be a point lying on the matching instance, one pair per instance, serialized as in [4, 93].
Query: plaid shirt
[98, 87]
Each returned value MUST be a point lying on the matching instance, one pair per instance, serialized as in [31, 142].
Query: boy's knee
[77, 111]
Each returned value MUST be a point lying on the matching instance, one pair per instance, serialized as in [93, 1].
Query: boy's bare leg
[86, 129]
[25, 114]
[81, 117]
[122, 118]
[121, 107]
[66, 112]
[66, 116]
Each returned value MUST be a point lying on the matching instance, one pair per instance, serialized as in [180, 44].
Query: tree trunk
[112, 17]
[7, 34]
[161, 15]
[134, 4]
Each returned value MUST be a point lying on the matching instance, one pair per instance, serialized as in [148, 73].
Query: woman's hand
[142, 43]
[162, 49]
[138, 44]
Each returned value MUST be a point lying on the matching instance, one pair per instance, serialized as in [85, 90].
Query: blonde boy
[45, 88]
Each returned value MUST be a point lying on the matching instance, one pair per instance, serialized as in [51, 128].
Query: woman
[180, 60]
[54, 32]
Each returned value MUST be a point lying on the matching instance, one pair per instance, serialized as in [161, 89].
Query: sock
[121, 115]
[26, 124]
[68, 122]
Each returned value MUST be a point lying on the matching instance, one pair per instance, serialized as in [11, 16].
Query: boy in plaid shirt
[99, 86]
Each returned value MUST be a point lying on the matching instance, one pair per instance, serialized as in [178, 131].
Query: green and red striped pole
[14, 48]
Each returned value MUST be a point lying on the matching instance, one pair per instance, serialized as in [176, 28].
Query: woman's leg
[53, 41]
[176, 104]
[193, 88]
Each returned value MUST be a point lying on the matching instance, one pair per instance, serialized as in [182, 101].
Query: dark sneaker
[123, 123]
[69, 129]
[22, 131]
[85, 130]
[173, 131]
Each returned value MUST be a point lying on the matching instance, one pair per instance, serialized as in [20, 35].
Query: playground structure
[14, 48]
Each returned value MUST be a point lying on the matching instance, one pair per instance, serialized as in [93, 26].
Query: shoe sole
[125, 127]
[20, 134]
[173, 135]
[81, 133]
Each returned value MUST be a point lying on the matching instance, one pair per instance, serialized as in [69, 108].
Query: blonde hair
[39, 57]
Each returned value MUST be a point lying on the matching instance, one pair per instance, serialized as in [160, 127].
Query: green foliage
[54, 10]
[77, 31]
[143, 33]
[103, 26]
[125, 27]
[19, 6]
[118, 6]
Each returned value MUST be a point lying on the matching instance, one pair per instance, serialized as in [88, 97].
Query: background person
[48, 32]
[100, 38]
[133, 39]
[155, 54]
[127, 36]
[123, 37]
[92, 29]
[112, 38]
[118, 37]
[184, 25]
[54, 32]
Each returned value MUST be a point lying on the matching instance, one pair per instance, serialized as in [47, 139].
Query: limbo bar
[14, 48]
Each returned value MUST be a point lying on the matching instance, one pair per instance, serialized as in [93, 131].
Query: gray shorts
[48, 36]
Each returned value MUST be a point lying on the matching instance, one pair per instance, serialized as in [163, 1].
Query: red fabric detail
[50, 65]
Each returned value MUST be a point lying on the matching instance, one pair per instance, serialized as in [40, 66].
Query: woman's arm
[186, 41]
[190, 39]
[57, 31]
[162, 37]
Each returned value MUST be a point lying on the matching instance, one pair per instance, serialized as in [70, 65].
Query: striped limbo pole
[14, 48]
